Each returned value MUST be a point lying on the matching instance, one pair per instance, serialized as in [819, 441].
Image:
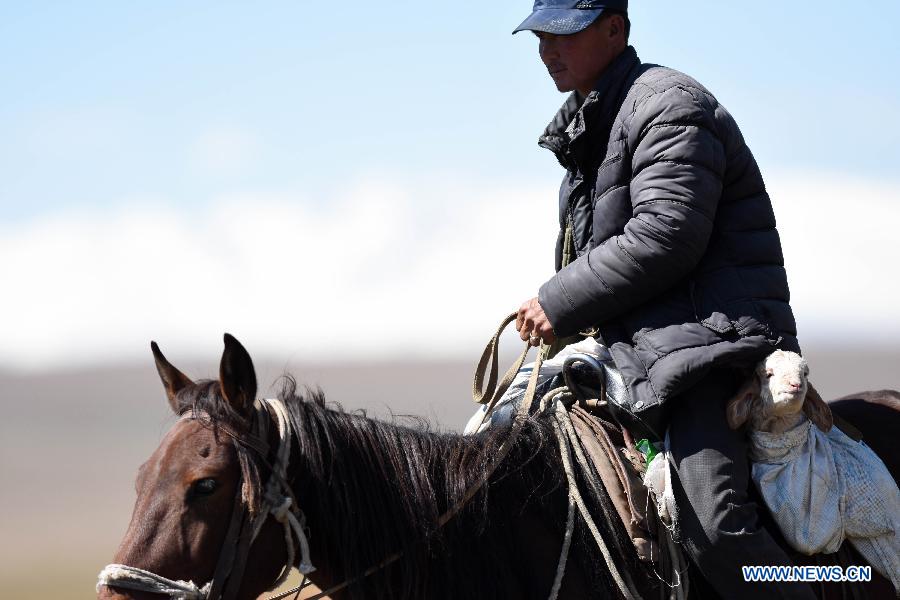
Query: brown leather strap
[233, 556]
[489, 360]
[242, 550]
[622, 483]
[489, 364]
[229, 546]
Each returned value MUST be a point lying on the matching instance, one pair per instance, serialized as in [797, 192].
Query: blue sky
[105, 100]
[178, 111]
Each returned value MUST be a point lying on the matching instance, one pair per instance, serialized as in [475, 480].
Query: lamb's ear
[817, 410]
[737, 411]
[236, 376]
[173, 379]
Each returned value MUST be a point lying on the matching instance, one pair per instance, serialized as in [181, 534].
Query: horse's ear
[236, 375]
[738, 409]
[173, 379]
[817, 410]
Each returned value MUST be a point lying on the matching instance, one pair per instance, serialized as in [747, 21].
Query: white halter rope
[277, 501]
[140, 580]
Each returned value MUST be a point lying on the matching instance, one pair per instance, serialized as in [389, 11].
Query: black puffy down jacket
[673, 253]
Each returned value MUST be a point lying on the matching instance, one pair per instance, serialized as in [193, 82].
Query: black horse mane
[371, 489]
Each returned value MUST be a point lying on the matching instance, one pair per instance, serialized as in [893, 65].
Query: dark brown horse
[369, 491]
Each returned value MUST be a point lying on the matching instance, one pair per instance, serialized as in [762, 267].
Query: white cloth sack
[658, 479]
[823, 488]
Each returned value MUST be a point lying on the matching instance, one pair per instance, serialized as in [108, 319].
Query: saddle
[608, 447]
[603, 428]
[597, 410]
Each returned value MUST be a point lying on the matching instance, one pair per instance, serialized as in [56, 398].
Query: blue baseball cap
[564, 17]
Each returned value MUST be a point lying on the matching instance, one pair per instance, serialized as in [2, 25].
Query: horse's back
[877, 417]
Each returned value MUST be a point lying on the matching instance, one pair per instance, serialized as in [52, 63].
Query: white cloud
[428, 267]
[839, 235]
[382, 270]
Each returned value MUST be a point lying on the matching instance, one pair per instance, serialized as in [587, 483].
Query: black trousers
[717, 521]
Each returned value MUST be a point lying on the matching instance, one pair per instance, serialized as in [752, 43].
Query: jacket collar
[579, 113]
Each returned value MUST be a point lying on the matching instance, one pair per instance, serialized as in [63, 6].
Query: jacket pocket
[730, 319]
[718, 322]
[707, 315]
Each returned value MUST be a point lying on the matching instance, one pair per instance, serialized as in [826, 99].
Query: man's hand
[533, 325]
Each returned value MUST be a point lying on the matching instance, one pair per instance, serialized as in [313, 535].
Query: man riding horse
[668, 254]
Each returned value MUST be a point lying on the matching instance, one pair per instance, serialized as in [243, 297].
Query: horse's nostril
[107, 593]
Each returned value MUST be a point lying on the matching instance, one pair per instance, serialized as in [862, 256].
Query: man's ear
[817, 410]
[173, 379]
[738, 409]
[236, 376]
[614, 25]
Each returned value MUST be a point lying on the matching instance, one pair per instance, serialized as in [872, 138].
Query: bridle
[278, 501]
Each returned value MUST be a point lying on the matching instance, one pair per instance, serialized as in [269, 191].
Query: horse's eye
[769, 373]
[203, 487]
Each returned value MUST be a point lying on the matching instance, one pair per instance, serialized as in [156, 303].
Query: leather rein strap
[235, 551]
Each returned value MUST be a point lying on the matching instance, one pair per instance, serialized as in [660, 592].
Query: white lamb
[821, 486]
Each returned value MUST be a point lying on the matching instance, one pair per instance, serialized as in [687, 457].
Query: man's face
[576, 61]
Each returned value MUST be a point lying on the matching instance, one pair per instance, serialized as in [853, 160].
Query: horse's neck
[382, 489]
[372, 489]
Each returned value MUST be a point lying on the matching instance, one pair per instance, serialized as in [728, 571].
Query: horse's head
[200, 485]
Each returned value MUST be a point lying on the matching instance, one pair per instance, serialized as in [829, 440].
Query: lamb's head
[775, 395]
[785, 379]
